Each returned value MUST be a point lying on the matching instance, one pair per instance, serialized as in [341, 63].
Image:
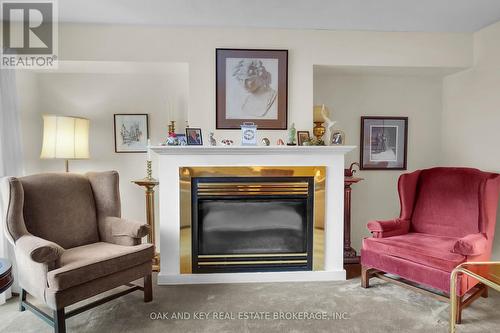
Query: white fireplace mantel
[171, 158]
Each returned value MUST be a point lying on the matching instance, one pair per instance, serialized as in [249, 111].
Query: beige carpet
[382, 308]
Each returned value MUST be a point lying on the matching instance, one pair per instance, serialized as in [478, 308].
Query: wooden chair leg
[485, 292]
[365, 277]
[22, 298]
[59, 321]
[148, 288]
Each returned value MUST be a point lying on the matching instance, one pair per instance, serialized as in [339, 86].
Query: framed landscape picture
[384, 142]
[131, 133]
[251, 86]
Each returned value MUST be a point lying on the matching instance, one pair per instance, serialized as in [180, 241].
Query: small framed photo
[384, 142]
[131, 133]
[302, 136]
[181, 139]
[193, 137]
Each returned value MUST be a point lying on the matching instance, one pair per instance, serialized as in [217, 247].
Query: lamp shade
[65, 137]
[317, 116]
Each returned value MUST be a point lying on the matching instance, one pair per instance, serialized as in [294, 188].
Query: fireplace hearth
[251, 224]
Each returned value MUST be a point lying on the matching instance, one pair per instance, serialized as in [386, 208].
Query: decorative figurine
[172, 139]
[292, 132]
[329, 123]
[213, 142]
[266, 142]
[227, 142]
[280, 142]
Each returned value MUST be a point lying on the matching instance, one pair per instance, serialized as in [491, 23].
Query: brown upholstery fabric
[105, 186]
[13, 199]
[38, 249]
[59, 299]
[60, 207]
[89, 262]
[54, 219]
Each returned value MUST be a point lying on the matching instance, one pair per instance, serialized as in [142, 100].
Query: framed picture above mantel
[251, 86]
[384, 143]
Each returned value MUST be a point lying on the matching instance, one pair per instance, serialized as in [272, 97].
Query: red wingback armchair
[447, 217]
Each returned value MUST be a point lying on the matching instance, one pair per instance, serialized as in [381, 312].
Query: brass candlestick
[149, 183]
[171, 126]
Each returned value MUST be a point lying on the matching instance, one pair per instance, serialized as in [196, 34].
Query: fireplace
[251, 224]
[251, 219]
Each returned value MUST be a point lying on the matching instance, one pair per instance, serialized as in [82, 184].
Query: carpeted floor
[382, 308]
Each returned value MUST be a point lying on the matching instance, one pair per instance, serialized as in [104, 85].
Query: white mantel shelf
[249, 150]
[171, 158]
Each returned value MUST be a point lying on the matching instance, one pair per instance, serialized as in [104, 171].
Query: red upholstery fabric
[388, 228]
[471, 245]
[451, 214]
[429, 250]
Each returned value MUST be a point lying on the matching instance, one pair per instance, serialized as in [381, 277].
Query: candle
[149, 149]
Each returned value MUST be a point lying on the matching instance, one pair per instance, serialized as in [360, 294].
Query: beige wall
[98, 93]
[471, 115]
[369, 93]
[196, 48]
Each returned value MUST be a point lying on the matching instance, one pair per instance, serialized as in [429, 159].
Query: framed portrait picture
[384, 142]
[251, 86]
[302, 136]
[131, 133]
[193, 137]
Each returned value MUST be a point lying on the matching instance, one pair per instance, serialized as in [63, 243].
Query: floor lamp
[65, 138]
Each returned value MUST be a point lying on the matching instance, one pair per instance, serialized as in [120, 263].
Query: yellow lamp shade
[65, 137]
[318, 117]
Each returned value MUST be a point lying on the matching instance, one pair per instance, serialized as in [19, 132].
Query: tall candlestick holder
[149, 183]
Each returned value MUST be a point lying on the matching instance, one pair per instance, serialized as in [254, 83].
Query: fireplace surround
[173, 164]
[251, 219]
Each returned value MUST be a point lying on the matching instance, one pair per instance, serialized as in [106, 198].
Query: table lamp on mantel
[319, 129]
[66, 138]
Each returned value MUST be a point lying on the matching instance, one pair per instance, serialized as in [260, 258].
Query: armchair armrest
[388, 228]
[124, 232]
[471, 245]
[38, 249]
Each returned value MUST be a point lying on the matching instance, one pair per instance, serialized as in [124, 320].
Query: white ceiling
[378, 15]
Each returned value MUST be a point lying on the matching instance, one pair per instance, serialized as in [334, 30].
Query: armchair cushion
[39, 249]
[471, 245]
[428, 250]
[388, 228]
[89, 262]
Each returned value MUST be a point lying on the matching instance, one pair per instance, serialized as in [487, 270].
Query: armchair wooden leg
[22, 298]
[485, 292]
[148, 288]
[365, 277]
[59, 321]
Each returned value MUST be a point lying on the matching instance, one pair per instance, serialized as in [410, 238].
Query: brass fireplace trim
[187, 173]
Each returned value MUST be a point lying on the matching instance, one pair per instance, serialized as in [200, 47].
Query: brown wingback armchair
[70, 242]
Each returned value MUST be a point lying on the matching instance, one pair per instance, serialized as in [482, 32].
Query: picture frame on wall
[131, 132]
[194, 136]
[251, 86]
[384, 143]
[302, 136]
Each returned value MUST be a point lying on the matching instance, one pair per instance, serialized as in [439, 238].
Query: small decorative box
[248, 134]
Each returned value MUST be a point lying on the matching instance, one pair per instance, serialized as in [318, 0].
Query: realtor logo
[29, 34]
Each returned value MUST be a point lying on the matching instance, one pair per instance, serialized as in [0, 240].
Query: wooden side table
[149, 184]
[6, 278]
[350, 255]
